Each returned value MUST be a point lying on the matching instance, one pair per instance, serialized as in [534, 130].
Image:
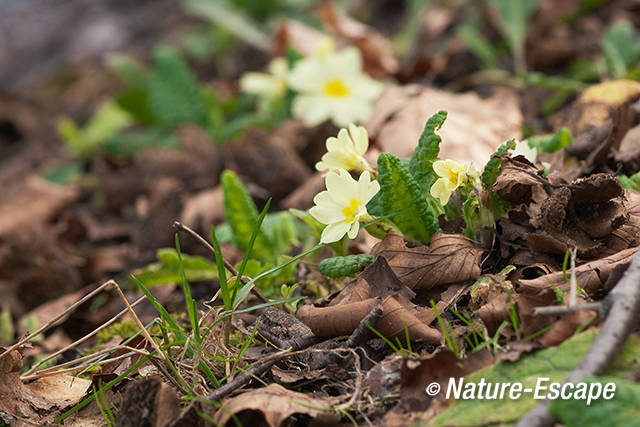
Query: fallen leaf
[449, 258]
[40, 401]
[203, 209]
[473, 130]
[37, 202]
[377, 52]
[274, 405]
[148, 402]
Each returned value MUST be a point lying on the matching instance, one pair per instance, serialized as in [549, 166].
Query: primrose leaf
[421, 164]
[242, 217]
[552, 142]
[492, 169]
[174, 94]
[340, 266]
[401, 193]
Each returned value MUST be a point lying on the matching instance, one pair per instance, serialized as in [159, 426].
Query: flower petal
[440, 190]
[310, 109]
[353, 230]
[334, 232]
[360, 138]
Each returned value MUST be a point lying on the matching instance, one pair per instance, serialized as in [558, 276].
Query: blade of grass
[245, 289]
[222, 273]
[246, 257]
[192, 309]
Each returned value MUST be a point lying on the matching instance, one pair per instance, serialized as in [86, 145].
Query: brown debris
[449, 258]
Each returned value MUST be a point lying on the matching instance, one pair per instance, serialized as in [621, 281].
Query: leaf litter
[454, 291]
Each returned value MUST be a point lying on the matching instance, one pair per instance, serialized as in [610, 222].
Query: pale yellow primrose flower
[325, 47]
[269, 86]
[333, 87]
[523, 149]
[343, 204]
[452, 175]
[346, 151]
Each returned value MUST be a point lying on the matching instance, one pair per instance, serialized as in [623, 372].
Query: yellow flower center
[351, 211]
[335, 89]
[455, 175]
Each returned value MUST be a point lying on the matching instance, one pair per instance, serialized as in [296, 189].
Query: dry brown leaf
[591, 277]
[472, 131]
[202, 209]
[274, 404]
[33, 205]
[377, 52]
[294, 34]
[148, 402]
[449, 258]
[40, 401]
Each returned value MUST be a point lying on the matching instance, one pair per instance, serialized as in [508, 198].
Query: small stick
[83, 339]
[53, 321]
[573, 295]
[362, 333]
[46, 373]
[177, 225]
[622, 306]
[556, 310]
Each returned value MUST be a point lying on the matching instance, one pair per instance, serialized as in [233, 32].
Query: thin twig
[83, 339]
[557, 310]
[622, 306]
[177, 225]
[53, 321]
[363, 332]
[573, 295]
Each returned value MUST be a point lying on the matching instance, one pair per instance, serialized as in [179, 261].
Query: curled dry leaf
[376, 285]
[591, 276]
[550, 218]
[377, 51]
[399, 115]
[449, 258]
[274, 404]
[40, 401]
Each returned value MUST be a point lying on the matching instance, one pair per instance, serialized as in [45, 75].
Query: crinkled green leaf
[340, 266]
[421, 164]
[401, 193]
[175, 96]
[552, 142]
[554, 363]
[493, 166]
[242, 217]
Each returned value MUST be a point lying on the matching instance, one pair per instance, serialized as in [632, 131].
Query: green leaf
[135, 98]
[167, 270]
[552, 142]
[620, 48]
[630, 182]
[515, 16]
[421, 164]
[340, 266]
[554, 363]
[127, 144]
[175, 96]
[493, 166]
[106, 122]
[401, 192]
[479, 46]
[242, 217]
[622, 410]
[64, 173]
